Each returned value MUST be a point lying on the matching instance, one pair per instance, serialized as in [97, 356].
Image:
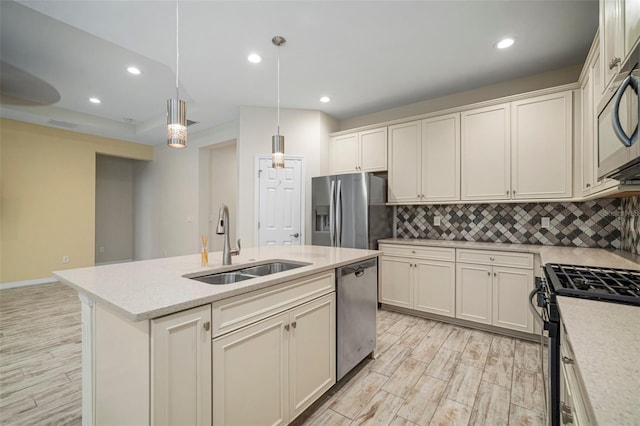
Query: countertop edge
[246, 288]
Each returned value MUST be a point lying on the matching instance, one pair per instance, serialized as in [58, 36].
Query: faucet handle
[236, 252]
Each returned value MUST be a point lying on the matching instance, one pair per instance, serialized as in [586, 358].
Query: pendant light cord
[278, 90]
[177, 52]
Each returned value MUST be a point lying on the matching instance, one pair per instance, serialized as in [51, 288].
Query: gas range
[597, 283]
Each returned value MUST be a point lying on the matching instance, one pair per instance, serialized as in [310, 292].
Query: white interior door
[280, 203]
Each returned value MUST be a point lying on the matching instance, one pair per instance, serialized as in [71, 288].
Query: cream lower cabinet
[575, 407]
[181, 368]
[421, 278]
[489, 293]
[271, 371]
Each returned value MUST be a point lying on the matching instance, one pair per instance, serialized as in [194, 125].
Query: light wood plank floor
[432, 373]
[40, 374]
[427, 372]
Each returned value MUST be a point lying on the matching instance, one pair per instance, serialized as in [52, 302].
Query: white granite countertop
[605, 338]
[152, 288]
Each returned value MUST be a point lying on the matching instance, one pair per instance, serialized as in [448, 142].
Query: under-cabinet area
[482, 286]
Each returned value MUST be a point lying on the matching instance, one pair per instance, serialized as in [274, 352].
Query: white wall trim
[4, 286]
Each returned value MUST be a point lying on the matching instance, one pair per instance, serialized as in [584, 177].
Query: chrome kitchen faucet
[223, 229]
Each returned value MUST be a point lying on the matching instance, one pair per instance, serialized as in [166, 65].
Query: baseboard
[15, 284]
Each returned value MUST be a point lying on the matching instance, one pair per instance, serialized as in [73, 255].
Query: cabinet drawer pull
[207, 326]
[567, 360]
[492, 258]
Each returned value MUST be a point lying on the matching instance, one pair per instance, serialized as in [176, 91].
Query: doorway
[280, 203]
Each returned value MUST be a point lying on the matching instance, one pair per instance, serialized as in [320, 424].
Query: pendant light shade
[176, 123]
[277, 151]
[277, 140]
[176, 108]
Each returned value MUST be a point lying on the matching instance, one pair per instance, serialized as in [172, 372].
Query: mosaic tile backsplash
[630, 224]
[595, 223]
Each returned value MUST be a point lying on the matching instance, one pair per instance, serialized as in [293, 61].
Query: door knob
[296, 235]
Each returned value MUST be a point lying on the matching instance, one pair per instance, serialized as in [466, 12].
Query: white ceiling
[366, 55]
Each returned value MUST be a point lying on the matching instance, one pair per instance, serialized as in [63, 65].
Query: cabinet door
[435, 287]
[485, 153]
[250, 367]
[611, 42]
[441, 158]
[587, 169]
[344, 154]
[511, 287]
[312, 352]
[473, 292]
[541, 139]
[404, 162]
[395, 282]
[181, 368]
[373, 150]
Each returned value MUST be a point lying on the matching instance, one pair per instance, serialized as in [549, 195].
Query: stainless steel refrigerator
[349, 210]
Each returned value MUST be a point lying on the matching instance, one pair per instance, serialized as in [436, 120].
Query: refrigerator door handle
[332, 216]
[339, 215]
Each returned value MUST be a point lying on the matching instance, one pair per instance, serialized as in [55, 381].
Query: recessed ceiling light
[505, 42]
[254, 58]
[95, 100]
[325, 99]
[134, 70]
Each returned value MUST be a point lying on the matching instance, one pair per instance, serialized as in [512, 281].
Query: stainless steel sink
[270, 268]
[224, 278]
[247, 272]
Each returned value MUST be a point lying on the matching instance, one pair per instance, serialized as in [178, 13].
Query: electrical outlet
[436, 220]
[65, 259]
[545, 223]
[101, 249]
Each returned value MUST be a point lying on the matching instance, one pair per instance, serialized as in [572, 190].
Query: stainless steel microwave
[618, 146]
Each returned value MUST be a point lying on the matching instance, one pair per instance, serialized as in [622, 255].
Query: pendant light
[176, 108]
[277, 140]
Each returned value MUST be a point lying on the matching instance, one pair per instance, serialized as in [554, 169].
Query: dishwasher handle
[358, 269]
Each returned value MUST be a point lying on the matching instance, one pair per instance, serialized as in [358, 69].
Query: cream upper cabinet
[486, 153]
[424, 160]
[619, 32]
[405, 162]
[441, 158]
[344, 155]
[281, 364]
[359, 152]
[541, 142]
[181, 368]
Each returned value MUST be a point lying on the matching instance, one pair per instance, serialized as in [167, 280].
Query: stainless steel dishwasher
[357, 303]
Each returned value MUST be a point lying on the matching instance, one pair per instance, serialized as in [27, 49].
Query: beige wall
[48, 197]
[508, 88]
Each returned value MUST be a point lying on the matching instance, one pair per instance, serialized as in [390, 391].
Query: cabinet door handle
[293, 324]
[514, 192]
[488, 274]
[567, 360]
[613, 62]
[567, 415]
[495, 274]
[207, 325]
[286, 327]
[507, 192]
[588, 185]
[413, 252]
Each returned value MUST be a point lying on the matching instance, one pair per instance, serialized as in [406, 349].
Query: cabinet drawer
[432, 253]
[238, 311]
[499, 258]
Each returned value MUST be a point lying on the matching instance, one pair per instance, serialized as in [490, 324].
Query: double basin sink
[247, 272]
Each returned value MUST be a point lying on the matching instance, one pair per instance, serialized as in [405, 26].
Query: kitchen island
[147, 330]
